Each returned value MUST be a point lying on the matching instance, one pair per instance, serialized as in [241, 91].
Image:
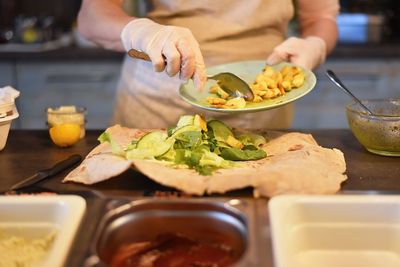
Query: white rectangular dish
[36, 217]
[332, 231]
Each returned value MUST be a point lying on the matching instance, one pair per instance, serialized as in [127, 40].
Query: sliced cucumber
[187, 128]
[151, 139]
[151, 145]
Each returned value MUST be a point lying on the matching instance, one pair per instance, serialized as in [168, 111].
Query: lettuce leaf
[115, 147]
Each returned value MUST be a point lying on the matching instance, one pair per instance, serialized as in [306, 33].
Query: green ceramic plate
[247, 70]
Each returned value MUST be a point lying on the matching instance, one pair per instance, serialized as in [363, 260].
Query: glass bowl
[378, 133]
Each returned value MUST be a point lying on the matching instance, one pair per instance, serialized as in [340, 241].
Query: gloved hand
[170, 47]
[308, 52]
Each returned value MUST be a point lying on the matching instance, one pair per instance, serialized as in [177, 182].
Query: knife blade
[43, 174]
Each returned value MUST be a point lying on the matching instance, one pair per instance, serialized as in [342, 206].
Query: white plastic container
[38, 216]
[7, 99]
[332, 231]
[6, 108]
[5, 124]
[8, 112]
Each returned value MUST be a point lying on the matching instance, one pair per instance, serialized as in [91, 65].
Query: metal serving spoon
[339, 84]
[229, 82]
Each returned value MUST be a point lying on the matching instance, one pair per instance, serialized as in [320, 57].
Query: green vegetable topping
[238, 154]
[194, 143]
[115, 147]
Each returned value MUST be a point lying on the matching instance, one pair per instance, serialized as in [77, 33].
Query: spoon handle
[332, 76]
[138, 54]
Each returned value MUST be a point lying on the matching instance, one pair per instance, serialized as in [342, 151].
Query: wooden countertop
[28, 151]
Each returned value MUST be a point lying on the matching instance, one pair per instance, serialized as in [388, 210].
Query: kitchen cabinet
[7, 76]
[88, 77]
[325, 106]
[92, 83]
[85, 83]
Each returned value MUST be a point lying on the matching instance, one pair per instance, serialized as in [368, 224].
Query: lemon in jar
[67, 114]
[65, 135]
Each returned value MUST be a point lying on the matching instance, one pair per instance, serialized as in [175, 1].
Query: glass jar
[67, 115]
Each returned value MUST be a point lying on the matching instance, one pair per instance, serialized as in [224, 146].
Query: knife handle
[62, 165]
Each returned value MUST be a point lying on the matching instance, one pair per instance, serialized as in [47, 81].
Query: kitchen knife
[43, 174]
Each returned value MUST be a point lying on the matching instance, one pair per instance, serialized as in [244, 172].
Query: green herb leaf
[189, 140]
[220, 130]
[237, 154]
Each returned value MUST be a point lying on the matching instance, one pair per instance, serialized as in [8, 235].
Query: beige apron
[228, 31]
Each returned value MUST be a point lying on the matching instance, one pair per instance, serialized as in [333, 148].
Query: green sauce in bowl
[378, 133]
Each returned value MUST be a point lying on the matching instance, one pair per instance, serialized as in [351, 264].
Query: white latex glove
[169, 47]
[308, 52]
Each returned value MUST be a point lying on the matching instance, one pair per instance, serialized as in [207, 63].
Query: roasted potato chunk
[269, 84]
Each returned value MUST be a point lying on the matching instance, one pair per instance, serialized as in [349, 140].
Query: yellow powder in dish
[18, 251]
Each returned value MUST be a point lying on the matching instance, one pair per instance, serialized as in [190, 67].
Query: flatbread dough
[295, 164]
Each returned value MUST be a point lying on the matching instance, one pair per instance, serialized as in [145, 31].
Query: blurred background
[43, 56]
